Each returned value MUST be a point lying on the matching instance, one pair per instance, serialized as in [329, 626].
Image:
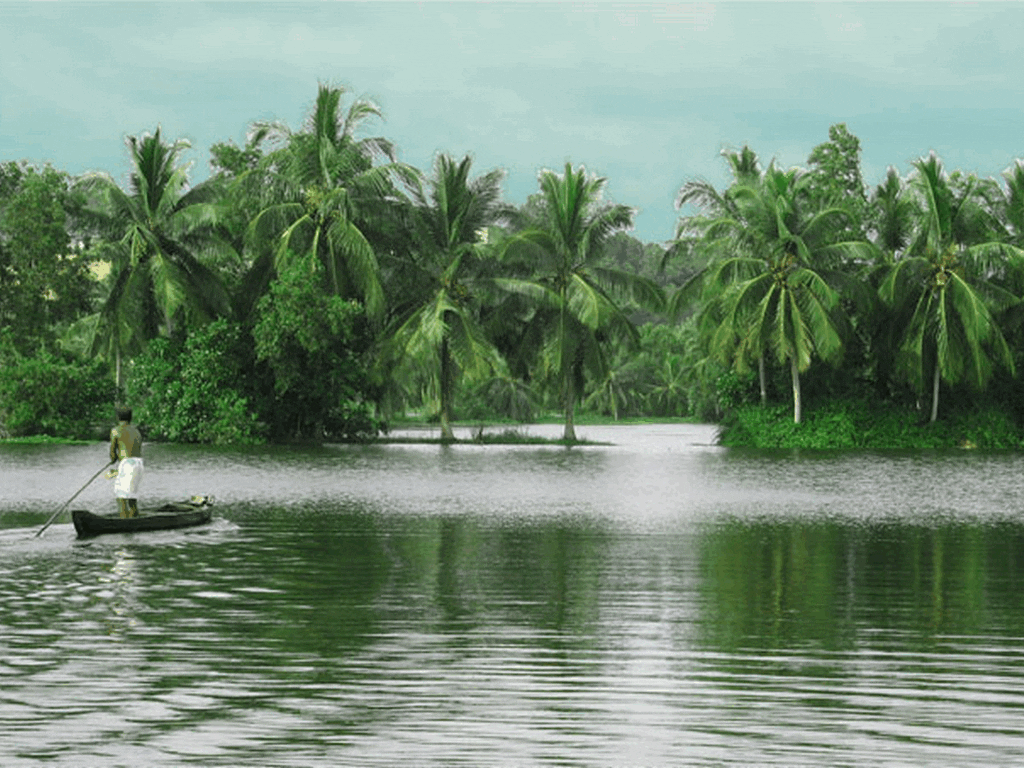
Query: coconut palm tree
[1013, 205]
[160, 229]
[713, 234]
[773, 287]
[578, 301]
[321, 187]
[949, 284]
[440, 323]
[891, 215]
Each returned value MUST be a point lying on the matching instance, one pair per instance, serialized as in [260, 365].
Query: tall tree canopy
[161, 227]
[44, 281]
[579, 301]
[440, 322]
[945, 290]
[322, 190]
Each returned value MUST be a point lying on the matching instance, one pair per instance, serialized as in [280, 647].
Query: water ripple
[659, 602]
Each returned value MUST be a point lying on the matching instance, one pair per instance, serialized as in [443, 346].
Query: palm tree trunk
[935, 393]
[568, 365]
[446, 392]
[796, 389]
[570, 409]
[761, 381]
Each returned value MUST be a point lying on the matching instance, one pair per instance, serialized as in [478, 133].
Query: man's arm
[113, 445]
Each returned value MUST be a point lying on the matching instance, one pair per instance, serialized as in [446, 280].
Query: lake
[659, 601]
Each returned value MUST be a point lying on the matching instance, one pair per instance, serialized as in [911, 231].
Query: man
[126, 445]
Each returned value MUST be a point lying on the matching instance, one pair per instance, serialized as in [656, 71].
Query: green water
[660, 602]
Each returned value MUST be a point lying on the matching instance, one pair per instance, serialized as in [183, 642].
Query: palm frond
[531, 290]
[360, 264]
[702, 194]
[600, 226]
[904, 280]
[267, 227]
[628, 286]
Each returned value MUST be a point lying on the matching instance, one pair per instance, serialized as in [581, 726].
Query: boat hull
[167, 517]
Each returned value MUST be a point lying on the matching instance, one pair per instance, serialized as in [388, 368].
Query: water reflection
[118, 592]
[659, 602]
[783, 584]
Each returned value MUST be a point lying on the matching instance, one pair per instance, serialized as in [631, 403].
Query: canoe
[184, 514]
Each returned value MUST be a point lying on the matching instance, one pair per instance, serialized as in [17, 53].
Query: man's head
[124, 413]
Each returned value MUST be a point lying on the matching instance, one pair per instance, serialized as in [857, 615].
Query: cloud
[645, 93]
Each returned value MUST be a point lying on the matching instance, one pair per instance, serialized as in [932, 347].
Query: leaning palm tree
[319, 187]
[578, 300]
[160, 229]
[950, 284]
[440, 324]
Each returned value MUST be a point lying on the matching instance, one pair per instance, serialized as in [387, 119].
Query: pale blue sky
[647, 94]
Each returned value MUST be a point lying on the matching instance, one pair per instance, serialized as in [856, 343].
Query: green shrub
[194, 391]
[46, 395]
[313, 352]
[867, 424]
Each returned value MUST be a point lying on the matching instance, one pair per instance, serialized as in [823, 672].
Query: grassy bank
[502, 438]
[862, 424]
[581, 420]
[44, 440]
[514, 434]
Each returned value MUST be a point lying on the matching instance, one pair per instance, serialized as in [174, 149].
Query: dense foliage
[866, 424]
[196, 389]
[50, 395]
[315, 347]
[314, 287]
[44, 281]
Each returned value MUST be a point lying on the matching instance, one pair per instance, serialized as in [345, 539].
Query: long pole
[68, 502]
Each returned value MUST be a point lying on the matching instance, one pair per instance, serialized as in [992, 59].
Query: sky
[647, 94]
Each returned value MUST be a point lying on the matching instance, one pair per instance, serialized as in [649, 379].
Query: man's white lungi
[129, 475]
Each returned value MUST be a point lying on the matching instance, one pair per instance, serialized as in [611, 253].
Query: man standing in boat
[126, 445]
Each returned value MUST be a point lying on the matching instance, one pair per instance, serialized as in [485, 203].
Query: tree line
[905, 288]
[314, 286]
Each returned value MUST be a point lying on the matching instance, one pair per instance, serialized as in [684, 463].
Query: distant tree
[318, 188]
[946, 288]
[835, 174]
[197, 390]
[744, 164]
[46, 394]
[44, 278]
[578, 300]
[1011, 210]
[229, 160]
[705, 236]
[440, 323]
[314, 346]
[161, 228]
[235, 169]
[893, 212]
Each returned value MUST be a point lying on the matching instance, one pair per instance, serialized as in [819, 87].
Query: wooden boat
[184, 514]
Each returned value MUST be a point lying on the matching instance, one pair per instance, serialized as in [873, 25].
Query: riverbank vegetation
[315, 287]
